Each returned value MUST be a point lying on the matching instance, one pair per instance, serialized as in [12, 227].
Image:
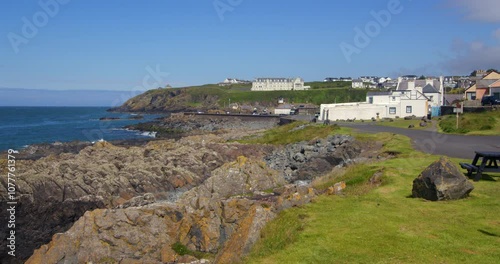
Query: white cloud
[478, 10]
[473, 56]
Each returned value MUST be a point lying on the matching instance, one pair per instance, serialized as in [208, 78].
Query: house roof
[275, 79]
[285, 106]
[471, 89]
[481, 84]
[357, 80]
[435, 85]
[492, 76]
[450, 98]
[429, 89]
[496, 84]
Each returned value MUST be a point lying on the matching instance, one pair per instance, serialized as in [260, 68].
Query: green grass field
[401, 123]
[316, 96]
[323, 93]
[487, 123]
[329, 85]
[383, 224]
[295, 132]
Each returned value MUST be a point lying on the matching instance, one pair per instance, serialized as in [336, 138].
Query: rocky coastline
[130, 203]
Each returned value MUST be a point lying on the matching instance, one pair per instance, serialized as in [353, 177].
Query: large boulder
[442, 180]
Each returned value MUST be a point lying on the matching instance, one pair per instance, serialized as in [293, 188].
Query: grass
[487, 123]
[401, 123]
[382, 224]
[316, 96]
[295, 132]
[329, 85]
[182, 250]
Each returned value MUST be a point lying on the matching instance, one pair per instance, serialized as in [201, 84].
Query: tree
[473, 73]
[492, 70]
[422, 77]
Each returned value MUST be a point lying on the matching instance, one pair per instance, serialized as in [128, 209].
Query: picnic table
[488, 163]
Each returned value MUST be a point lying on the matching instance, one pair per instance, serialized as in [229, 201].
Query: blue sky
[119, 45]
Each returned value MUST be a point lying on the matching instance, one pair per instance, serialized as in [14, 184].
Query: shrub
[180, 249]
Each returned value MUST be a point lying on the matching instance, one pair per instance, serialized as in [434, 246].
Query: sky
[138, 45]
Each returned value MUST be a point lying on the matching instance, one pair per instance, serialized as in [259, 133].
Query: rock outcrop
[58, 190]
[206, 218]
[131, 204]
[307, 160]
[179, 124]
[442, 180]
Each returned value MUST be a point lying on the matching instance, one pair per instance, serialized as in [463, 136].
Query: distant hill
[212, 96]
[35, 97]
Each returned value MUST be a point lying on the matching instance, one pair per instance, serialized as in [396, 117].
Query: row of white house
[412, 97]
[279, 84]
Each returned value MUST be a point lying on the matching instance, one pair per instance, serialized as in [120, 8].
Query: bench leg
[479, 173]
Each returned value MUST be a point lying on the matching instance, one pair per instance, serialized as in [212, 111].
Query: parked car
[490, 100]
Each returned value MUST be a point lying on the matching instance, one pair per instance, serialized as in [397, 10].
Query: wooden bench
[488, 164]
[469, 167]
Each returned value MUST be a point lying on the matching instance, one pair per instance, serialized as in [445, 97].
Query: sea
[24, 126]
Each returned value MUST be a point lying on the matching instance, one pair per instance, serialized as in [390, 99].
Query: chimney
[411, 84]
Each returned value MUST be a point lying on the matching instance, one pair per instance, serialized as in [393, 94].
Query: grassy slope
[383, 225]
[316, 96]
[487, 123]
[212, 96]
[293, 135]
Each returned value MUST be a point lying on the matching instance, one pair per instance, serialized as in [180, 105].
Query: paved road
[436, 143]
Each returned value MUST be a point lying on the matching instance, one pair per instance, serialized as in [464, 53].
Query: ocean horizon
[21, 126]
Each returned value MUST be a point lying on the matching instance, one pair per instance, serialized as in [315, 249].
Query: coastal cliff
[237, 97]
[134, 204]
[169, 100]
[55, 191]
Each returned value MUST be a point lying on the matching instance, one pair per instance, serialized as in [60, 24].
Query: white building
[279, 84]
[284, 109]
[358, 83]
[379, 105]
[230, 81]
[431, 88]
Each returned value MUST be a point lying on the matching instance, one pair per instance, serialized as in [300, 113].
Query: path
[432, 142]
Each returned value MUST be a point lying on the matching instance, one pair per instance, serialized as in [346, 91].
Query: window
[392, 110]
[394, 98]
[370, 99]
[471, 96]
[408, 109]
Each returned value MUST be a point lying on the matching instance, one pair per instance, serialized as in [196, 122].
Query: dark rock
[299, 157]
[442, 180]
[109, 118]
[423, 124]
[136, 117]
[411, 126]
[308, 160]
